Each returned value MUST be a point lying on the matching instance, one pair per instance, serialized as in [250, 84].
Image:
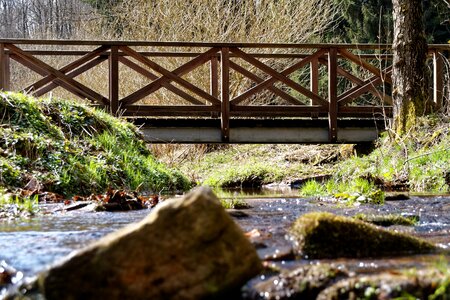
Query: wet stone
[422, 284]
[305, 282]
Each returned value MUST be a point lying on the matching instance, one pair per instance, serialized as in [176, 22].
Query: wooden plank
[7, 72]
[169, 76]
[314, 76]
[80, 88]
[277, 111]
[152, 76]
[114, 80]
[173, 54]
[363, 63]
[271, 88]
[366, 111]
[67, 68]
[2, 67]
[278, 76]
[332, 95]
[170, 111]
[438, 80]
[225, 90]
[73, 74]
[214, 77]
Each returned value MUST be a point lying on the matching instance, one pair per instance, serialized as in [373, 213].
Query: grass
[351, 192]
[418, 160]
[234, 203]
[16, 205]
[70, 148]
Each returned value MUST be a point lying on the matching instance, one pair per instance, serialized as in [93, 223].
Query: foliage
[419, 160]
[353, 191]
[370, 21]
[14, 205]
[234, 203]
[313, 188]
[73, 149]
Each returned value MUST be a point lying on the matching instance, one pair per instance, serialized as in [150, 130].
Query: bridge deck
[259, 131]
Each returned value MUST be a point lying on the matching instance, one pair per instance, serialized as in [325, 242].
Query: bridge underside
[265, 131]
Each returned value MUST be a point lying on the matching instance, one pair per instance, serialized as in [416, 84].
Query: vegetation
[353, 191]
[388, 220]
[417, 162]
[17, 206]
[234, 203]
[69, 148]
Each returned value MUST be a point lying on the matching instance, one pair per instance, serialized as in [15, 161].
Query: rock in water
[185, 249]
[324, 235]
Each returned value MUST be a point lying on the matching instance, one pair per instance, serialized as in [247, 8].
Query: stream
[31, 245]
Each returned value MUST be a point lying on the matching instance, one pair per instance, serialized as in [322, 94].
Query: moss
[410, 284]
[324, 235]
[74, 149]
[388, 220]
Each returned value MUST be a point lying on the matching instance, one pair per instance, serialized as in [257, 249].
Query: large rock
[324, 235]
[185, 249]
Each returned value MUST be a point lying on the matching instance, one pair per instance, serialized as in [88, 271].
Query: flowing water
[31, 245]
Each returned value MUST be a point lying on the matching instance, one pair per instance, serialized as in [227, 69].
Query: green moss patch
[324, 235]
[388, 220]
[70, 148]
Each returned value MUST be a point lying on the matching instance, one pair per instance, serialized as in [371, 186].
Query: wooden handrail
[257, 64]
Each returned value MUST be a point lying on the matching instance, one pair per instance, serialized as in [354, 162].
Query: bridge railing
[216, 80]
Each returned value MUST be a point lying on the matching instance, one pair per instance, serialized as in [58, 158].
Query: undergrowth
[70, 148]
[417, 161]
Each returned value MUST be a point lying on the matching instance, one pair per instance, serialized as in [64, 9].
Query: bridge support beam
[114, 80]
[332, 94]
[225, 87]
[4, 69]
[438, 79]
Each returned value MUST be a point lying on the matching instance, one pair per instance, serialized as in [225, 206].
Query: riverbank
[66, 148]
[417, 162]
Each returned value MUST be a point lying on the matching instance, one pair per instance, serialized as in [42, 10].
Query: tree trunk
[410, 88]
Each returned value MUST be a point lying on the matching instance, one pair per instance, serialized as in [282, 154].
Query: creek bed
[30, 246]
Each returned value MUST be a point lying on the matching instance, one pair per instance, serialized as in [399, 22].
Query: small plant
[234, 203]
[15, 205]
[313, 188]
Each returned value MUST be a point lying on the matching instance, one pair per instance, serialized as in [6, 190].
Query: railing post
[438, 79]
[225, 89]
[4, 68]
[214, 77]
[332, 94]
[114, 80]
[314, 76]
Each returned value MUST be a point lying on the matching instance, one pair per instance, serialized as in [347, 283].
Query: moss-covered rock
[423, 284]
[388, 220]
[324, 235]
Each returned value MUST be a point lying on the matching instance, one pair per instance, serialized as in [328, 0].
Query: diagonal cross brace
[278, 76]
[62, 79]
[168, 76]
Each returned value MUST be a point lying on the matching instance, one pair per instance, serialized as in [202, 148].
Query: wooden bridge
[221, 92]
